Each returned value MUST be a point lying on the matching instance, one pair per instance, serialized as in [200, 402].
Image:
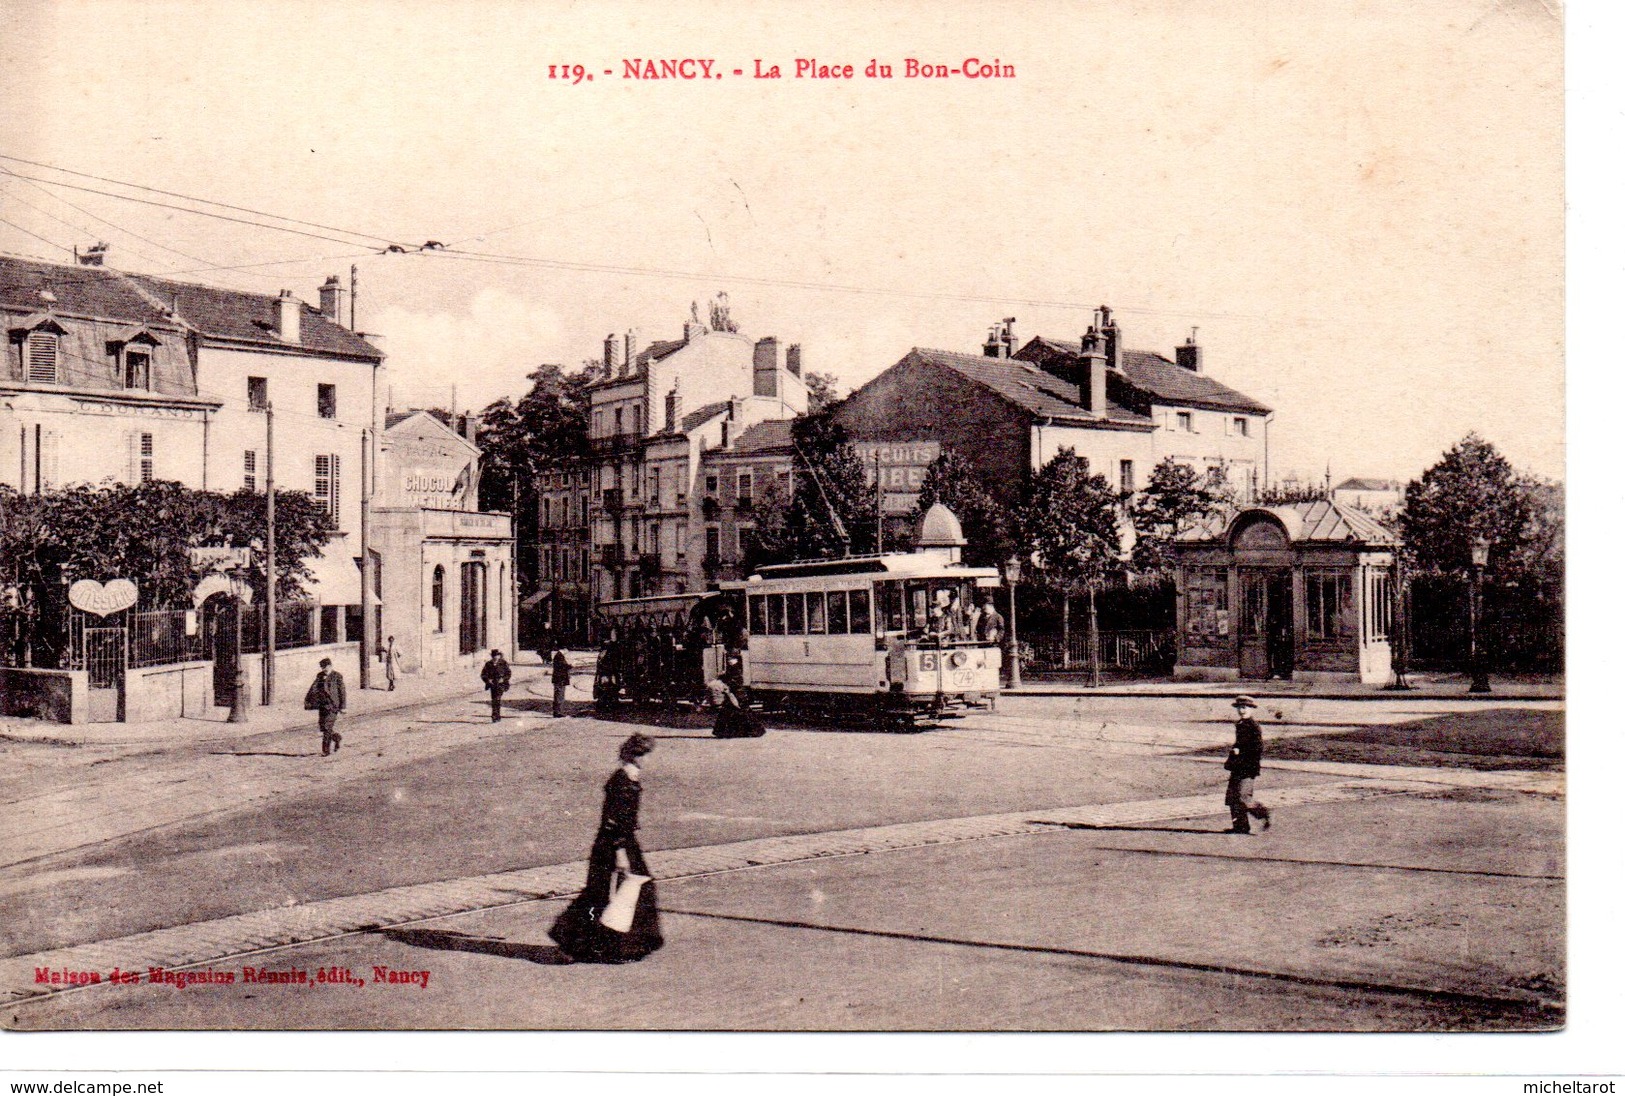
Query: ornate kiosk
[1302, 590]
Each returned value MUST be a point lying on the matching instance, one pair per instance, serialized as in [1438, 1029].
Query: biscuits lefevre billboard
[900, 466]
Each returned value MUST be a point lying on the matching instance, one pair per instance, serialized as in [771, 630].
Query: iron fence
[1135, 651]
[295, 626]
[158, 637]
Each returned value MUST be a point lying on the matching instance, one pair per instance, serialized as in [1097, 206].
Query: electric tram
[894, 637]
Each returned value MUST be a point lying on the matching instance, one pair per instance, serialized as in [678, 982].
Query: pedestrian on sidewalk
[1244, 764]
[616, 876]
[387, 654]
[326, 698]
[561, 681]
[497, 676]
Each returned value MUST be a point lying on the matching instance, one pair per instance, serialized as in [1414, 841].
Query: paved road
[445, 813]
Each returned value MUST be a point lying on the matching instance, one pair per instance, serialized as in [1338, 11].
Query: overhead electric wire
[36, 236]
[78, 228]
[190, 198]
[103, 220]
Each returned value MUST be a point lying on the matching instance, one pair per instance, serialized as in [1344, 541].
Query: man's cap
[495, 654]
[1244, 701]
[325, 662]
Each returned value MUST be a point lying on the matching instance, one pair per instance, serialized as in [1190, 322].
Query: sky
[1358, 205]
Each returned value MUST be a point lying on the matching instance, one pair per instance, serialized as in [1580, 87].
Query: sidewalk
[287, 714]
[1423, 687]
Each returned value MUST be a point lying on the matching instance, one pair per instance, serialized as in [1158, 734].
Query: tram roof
[638, 606]
[898, 564]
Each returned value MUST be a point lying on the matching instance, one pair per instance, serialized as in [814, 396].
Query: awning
[535, 599]
[336, 578]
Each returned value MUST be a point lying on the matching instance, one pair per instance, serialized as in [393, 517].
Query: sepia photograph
[691, 517]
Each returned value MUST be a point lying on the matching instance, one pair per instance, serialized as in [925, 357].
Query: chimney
[1001, 339]
[1092, 385]
[792, 359]
[674, 409]
[332, 296]
[287, 317]
[1113, 338]
[631, 360]
[1189, 355]
[766, 371]
[612, 355]
[471, 427]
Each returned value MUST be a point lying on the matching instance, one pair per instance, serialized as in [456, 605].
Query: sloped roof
[1025, 385]
[108, 294]
[695, 419]
[771, 434]
[1165, 381]
[1320, 521]
[1359, 484]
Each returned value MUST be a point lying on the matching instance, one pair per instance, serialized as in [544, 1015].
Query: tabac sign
[426, 464]
[899, 467]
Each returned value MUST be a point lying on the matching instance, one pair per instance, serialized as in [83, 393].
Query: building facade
[1123, 411]
[444, 570]
[653, 415]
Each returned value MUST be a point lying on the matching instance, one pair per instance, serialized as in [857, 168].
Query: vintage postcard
[712, 518]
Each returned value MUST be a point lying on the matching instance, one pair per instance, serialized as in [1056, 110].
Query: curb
[1185, 694]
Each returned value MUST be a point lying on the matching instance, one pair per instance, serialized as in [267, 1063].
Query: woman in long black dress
[579, 931]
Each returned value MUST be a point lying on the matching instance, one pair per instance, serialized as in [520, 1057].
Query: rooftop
[1026, 385]
[106, 294]
[1161, 379]
[1320, 521]
[1359, 484]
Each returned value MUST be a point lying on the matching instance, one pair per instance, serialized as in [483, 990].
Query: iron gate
[106, 654]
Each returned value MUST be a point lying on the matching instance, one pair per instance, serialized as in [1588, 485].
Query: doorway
[1266, 623]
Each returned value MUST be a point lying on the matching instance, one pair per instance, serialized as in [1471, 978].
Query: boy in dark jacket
[497, 676]
[1244, 764]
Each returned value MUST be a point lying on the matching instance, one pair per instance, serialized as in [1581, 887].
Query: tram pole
[268, 684]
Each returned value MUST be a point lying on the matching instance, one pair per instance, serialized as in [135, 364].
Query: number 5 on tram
[899, 637]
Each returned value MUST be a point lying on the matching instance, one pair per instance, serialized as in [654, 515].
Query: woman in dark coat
[735, 719]
[578, 931]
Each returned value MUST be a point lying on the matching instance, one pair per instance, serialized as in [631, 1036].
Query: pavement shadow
[1486, 739]
[545, 955]
[256, 753]
[1128, 829]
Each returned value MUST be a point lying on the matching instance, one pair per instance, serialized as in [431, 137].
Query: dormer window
[39, 356]
[138, 368]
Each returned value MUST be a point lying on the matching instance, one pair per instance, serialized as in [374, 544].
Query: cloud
[483, 350]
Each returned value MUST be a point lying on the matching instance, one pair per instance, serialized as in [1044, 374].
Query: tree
[1072, 521]
[1175, 500]
[953, 481]
[1471, 492]
[143, 533]
[831, 511]
[820, 392]
[520, 441]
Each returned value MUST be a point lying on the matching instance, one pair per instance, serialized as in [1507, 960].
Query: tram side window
[815, 614]
[758, 614]
[890, 606]
[775, 614]
[919, 608]
[837, 612]
[859, 601]
[796, 610]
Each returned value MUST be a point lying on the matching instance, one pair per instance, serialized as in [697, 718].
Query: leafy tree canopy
[144, 532]
[1474, 492]
[1072, 522]
[953, 481]
[1175, 500]
[832, 508]
[820, 392]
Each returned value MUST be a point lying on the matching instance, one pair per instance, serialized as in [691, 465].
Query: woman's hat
[637, 746]
[1244, 701]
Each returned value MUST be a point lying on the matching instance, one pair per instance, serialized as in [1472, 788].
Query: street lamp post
[1012, 575]
[1480, 675]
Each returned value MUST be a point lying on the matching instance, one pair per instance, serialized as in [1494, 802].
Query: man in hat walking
[1244, 763]
[497, 675]
[326, 698]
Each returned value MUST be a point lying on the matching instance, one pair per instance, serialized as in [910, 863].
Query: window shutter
[50, 447]
[42, 357]
[132, 457]
[335, 487]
